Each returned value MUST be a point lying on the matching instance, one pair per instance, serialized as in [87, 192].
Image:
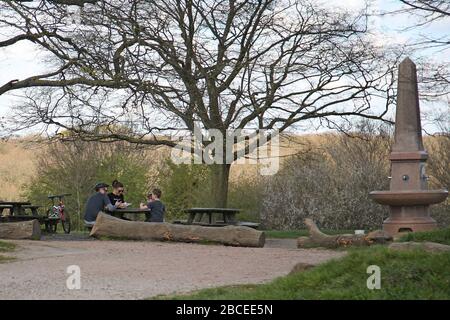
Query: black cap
[101, 185]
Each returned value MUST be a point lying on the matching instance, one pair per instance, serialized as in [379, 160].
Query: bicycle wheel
[65, 221]
[51, 224]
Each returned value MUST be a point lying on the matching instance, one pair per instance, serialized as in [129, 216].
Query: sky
[21, 60]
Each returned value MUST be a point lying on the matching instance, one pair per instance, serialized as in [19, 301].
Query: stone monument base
[409, 219]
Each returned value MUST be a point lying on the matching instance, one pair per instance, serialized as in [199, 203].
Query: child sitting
[157, 208]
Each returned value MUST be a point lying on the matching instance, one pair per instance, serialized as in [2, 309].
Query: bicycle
[57, 214]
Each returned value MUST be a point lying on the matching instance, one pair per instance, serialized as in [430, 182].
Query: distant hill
[18, 160]
[17, 166]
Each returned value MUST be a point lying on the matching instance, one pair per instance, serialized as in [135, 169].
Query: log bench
[107, 225]
[21, 230]
[253, 225]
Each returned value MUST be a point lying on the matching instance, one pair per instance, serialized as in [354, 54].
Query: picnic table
[33, 209]
[15, 207]
[118, 213]
[17, 211]
[228, 215]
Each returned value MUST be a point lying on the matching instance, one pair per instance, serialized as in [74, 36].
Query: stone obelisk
[408, 197]
[408, 155]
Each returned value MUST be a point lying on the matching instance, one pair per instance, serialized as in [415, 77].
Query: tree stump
[20, 230]
[109, 226]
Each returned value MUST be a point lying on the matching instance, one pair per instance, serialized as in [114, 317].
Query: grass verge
[404, 275]
[293, 234]
[439, 236]
[6, 247]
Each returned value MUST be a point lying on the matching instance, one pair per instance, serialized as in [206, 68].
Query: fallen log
[20, 230]
[319, 239]
[110, 226]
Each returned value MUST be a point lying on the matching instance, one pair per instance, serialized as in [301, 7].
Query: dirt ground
[136, 270]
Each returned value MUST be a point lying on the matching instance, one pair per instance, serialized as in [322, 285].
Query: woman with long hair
[117, 193]
[117, 196]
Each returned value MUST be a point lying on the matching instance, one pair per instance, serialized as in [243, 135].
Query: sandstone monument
[408, 197]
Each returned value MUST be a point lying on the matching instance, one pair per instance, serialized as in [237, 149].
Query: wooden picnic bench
[17, 210]
[33, 209]
[118, 213]
[15, 207]
[131, 210]
[196, 216]
[228, 218]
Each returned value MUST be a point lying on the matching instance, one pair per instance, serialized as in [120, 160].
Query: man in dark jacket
[99, 201]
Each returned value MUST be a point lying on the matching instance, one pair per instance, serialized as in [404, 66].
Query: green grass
[5, 259]
[440, 236]
[404, 275]
[292, 234]
[6, 247]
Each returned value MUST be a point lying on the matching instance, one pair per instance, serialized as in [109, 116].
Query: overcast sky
[21, 60]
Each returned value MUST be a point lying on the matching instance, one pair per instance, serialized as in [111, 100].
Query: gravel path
[136, 270]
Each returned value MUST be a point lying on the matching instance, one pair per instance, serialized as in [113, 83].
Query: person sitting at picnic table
[156, 207]
[117, 194]
[99, 201]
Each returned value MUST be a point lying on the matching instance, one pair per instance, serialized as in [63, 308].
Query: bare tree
[75, 167]
[425, 12]
[79, 3]
[434, 76]
[162, 67]
[429, 10]
[331, 183]
[436, 79]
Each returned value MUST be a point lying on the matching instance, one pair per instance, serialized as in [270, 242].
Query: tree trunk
[220, 175]
[319, 239]
[21, 230]
[109, 226]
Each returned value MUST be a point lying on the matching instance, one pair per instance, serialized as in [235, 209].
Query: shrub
[75, 167]
[189, 185]
[246, 193]
[184, 186]
[331, 184]
[439, 172]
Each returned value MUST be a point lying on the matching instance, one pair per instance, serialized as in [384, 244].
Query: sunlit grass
[6, 247]
[439, 236]
[404, 275]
